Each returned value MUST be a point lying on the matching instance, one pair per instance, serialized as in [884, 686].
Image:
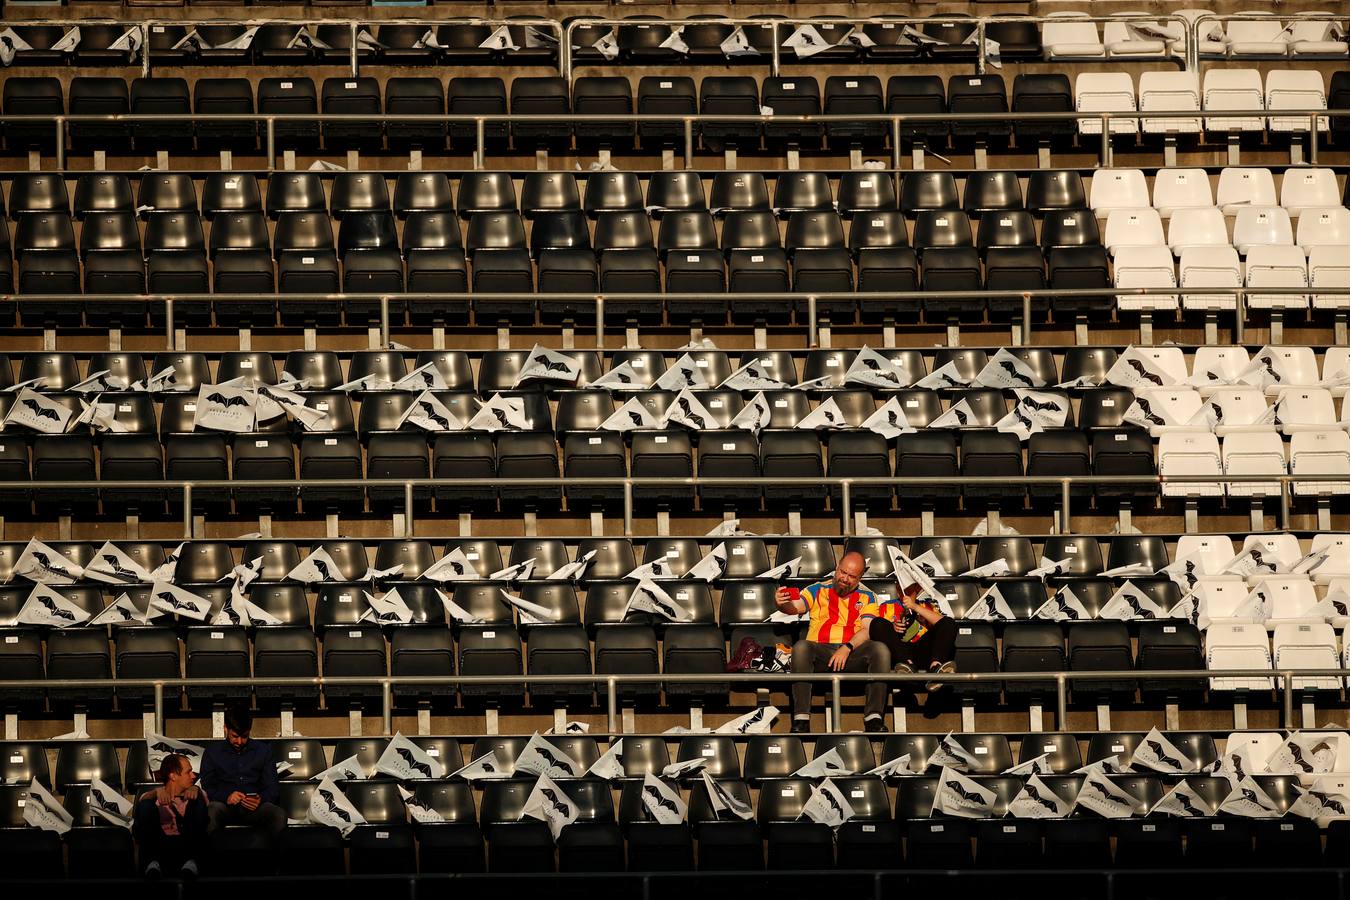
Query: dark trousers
[170, 851]
[268, 819]
[936, 645]
[870, 656]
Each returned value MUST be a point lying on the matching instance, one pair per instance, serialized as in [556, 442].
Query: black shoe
[946, 668]
[801, 726]
[875, 725]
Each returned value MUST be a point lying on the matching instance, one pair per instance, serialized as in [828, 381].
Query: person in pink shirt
[170, 821]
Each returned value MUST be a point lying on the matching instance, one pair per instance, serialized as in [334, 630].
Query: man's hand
[784, 600]
[235, 798]
[250, 802]
[910, 597]
[840, 658]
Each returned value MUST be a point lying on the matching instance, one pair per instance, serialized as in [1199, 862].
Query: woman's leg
[937, 646]
[882, 631]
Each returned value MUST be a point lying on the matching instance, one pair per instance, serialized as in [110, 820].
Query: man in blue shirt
[240, 777]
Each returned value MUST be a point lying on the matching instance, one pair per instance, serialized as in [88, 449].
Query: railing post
[387, 704]
[480, 151]
[1288, 680]
[384, 321]
[1284, 502]
[1065, 496]
[407, 509]
[159, 707]
[145, 49]
[1240, 325]
[846, 507]
[979, 41]
[688, 142]
[1106, 140]
[1061, 702]
[813, 336]
[60, 123]
[773, 64]
[896, 155]
[1026, 319]
[271, 144]
[187, 510]
[355, 30]
[612, 703]
[600, 321]
[836, 704]
[168, 324]
[627, 508]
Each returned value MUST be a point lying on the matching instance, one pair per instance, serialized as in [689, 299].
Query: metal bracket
[559, 719]
[353, 160]
[438, 337]
[1192, 515]
[859, 521]
[1035, 718]
[926, 523]
[1309, 712]
[1257, 513]
[148, 724]
[916, 155]
[1080, 331]
[11, 726]
[1234, 148]
[1172, 716]
[1323, 513]
[1212, 328]
[1170, 151]
[287, 160]
[668, 158]
[133, 530]
[333, 528]
[855, 160]
[968, 715]
[794, 521]
[1276, 328]
[531, 523]
[1296, 151]
[1043, 156]
[888, 335]
[663, 523]
[898, 717]
[65, 528]
[287, 722]
[981, 155]
[1146, 328]
[1342, 332]
[354, 721]
[415, 160]
[761, 336]
[503, 337]
[423, 719]
[597, 523]
[491, 725]
[1103, 717]
[466, 524]
[729, 159]
[794, 159]
[631, 341]
[953, 334]
[245, 339]
[695, 717]
[628, 720]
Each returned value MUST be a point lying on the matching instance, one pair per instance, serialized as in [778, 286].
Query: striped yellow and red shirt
[834, 619]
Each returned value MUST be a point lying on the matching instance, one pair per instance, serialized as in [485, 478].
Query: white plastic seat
[1190, 453]
[1168, 361]
[1219, 600]
[1210, 267]
[1316, 39]
[1097, 92]
[1328, 226]
[1175, 189]
[1170, 92]
[1067, 36]
[1140, 227]
[1337, 565]
[1240, 188]
[1320, 453]
[1303, 188]
[1135, 36]
[1113, 189]
[1234, 89]
[1261, 34]
[1175, 404]
[1145, 267]
[1292, 599]
[1243, 408]
[1213, 41]
[1214, 367]
[1237, 647]
[1305, 409]
[1281, 548]
[1196, 227]
[1336, 371]
[1275, 266]
[1310, 645]
[1294, 89]
[1256, 225]
[1329, 267]
[1254, 453]
[1212, 551]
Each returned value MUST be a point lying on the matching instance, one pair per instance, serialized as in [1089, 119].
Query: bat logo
[1143, 372]
[948, 381]
[1015, 375]
[829, 417]
[1147, 409]
[1103, 791]
[1047, 406]
[892, 419]
[1320, 747]
[1063, 606]
[693, 418]
[501, 417]
[635, 418]
[1022, 418]
[232, 614]
[660, 799]
[662, 607]
[1269, 365]
[48, 563]
[1296, 753]
[333, 808]
[550, 366]
[55, 610]
[1035, 795]
[107, 805]
[220, 399]
[429, 412]
[173, 602]
[322, 568]
[1157, 749]
[413, 762]
[1237, 766]
[1187, 806]
[1250, 796]
[41, 411]
[553, 761]
[688, 375]
[961, 417]
[621, 377]
[1218, 411]
[115, 567]
[755, 718]
[1134, 605]
[968, 796]
[1328, 803]
[834, 803]
[561, 808]
[752, 372]
[875, 368]
[725, 798]
[1260, 561]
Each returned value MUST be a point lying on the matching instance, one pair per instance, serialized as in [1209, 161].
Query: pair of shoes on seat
[946, 668]
[875, 725]
[801, 726]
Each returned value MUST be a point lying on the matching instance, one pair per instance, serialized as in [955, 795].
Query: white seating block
[1172, 92]
[1320, 453]
[1239, 188]
[1256, 225]
[1294, 89]
[1238, 647]
[1254, 453]
[1113, 189]
[1305, 188]
[1329, 267]
[1234, 89]
[1190, 453]
[1145, 267]
[1175, 189]
[1272, 266]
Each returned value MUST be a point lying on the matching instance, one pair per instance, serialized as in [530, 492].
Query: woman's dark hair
[171, 764]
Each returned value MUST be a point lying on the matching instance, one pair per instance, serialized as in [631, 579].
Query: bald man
[837, 640]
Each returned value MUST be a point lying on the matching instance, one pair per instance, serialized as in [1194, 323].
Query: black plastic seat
[416, 96]
[291, 94]
[612, 192]
[950, 31]
[1050, 189]
[979, 94]
[1048, 92]
[665, 96]
[225, 96]
[797, 95]
[99, 96]
[477, 95]
[352, 96]
[541, 96]
[600, 95]
[924, 94]
[854, 95]
[730, 95]
[31, 96]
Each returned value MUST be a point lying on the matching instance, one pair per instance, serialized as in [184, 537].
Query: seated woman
[170, 821]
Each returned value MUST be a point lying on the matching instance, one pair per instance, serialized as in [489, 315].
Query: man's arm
[785, 601]
[269, 788]
[209, 776]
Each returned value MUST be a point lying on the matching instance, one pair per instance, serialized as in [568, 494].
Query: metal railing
[805, 303]
[1316, 121]
[188, 489]
[1057, 682]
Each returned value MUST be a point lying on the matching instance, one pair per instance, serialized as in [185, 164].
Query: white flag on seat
[963, 797]
[543, 757]
[42, 810]
[42, 414]
[404, 760]
[318, 567]
[662, 802]
[551, 805]
[544, 364]
[1037, 801]
[176, 601]
[329, 806]
[827, 805]
[46, 607]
